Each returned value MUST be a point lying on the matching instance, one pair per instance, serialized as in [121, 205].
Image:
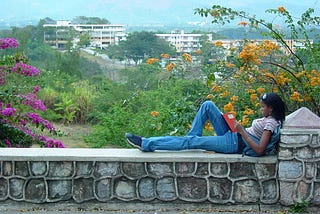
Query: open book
[230, 119]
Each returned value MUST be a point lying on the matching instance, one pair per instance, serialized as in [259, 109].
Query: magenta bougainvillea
[20, 123]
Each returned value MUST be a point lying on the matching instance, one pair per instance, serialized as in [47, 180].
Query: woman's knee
[208, 104]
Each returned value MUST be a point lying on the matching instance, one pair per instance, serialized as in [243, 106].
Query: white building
[101, 35]
[184, 42]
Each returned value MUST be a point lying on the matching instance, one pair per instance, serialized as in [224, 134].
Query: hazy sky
[138, 11]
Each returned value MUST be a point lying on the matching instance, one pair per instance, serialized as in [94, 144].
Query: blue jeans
[225, 141]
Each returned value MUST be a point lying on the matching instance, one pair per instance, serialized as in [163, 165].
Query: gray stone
[315, 141]
[266, 170]
[160, 169]
[125, 189]
[219, 189]
[38, 168]
[202, 169]
[60, 169]
[103, 189]
[303, 191]
[316, 194]
[270, 193]
[83, 189]
[318, 170]
[147, 189]
[219, 169]
[134, 170]
[239, 170]
[305, 153]
[7, 168]
[246, 191]
[84, 168]
[285, 153]
[21, 168]
[35, 191]
[185, 168]
[192, 189]
[290, 169]
[287, 193]
[165, 188]
[106, 169]
[316, 153]
[3, 188]
[310, 170]
[59, 190]
[295, 140]
[16, 187]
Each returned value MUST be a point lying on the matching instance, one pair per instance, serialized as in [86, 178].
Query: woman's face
[266, 110]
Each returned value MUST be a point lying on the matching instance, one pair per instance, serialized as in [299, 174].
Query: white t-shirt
[261, 124]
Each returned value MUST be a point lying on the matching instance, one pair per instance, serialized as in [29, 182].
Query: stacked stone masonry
[40, 176]
[299, 166]
[215, 182]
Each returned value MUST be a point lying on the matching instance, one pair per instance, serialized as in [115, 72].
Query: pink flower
[8, 43]
[32, 101]
[8, 112]
[7, 142]
[24, 69]
[36, 89]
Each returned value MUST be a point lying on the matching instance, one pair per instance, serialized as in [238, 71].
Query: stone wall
[44, 176]
[103, 175]
[299, 166]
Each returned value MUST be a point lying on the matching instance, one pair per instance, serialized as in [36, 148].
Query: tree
[270, 65]
[84, 40]
[90, 20]
[141, 45]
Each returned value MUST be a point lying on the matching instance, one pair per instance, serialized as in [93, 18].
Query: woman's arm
[258, 148]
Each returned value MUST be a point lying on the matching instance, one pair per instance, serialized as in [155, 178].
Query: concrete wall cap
[302, 118]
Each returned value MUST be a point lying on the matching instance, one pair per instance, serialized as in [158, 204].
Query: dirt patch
[73, 135]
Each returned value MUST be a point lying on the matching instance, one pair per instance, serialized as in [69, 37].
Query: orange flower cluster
[171, 66]
[166, 56]
[218, 43]
[243, 23]
[154, 114]
[253, 98]
[224, 94]
[252, 52]
[228, 107]
[187, 57]
[261, 90]
[248, 111]
[199, 51]
[152, 60]
[314, 77]
[208, 126]
[296, 97]
[230, 65]
[234, 98]
[281, 79]
[281, 9]
[245, 120]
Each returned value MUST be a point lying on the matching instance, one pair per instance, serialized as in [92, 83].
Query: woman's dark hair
[278, 106]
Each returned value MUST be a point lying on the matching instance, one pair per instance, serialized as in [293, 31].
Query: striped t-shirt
[261, 124]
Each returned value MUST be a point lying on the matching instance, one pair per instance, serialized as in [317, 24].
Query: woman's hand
[238, 127]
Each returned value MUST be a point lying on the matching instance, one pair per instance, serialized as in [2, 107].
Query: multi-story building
[59, 33]
[293, 44]
[184, 42]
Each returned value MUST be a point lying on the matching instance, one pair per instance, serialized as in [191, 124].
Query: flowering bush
[286, 64]
[20, 124]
